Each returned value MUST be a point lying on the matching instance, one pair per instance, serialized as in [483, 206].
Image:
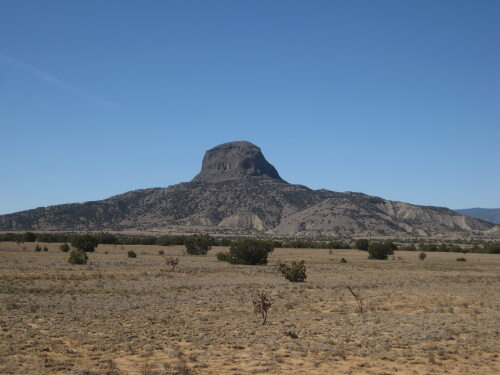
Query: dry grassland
[117, 315]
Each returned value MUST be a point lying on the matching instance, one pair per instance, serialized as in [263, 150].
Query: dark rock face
[233, 160]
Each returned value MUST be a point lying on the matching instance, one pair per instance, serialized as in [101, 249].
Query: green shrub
[461, 260]
[38, 248]
[223, 257]
[422, 256]
[29, 237]
[161, 252]
[64, 247]
[132, 254]
[362, 244]
[429, 247]
[338, 245]
[343, 260]
[84, 242]
[381, 250]
[248, 251]
[199, 244]
[295, 273]
[78, 257]
[492, 247]
[45, 248]
[410, 247]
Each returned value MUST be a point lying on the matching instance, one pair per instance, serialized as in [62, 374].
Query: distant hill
[239, 192]
[489, 214]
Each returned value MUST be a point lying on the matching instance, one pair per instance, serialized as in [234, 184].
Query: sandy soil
[117, 315]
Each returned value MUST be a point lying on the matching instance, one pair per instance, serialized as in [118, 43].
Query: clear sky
[399, 99]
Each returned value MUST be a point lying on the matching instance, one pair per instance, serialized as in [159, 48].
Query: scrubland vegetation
[189, 314]
[200, 244]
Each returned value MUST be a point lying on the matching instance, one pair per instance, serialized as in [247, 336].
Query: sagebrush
[296, 272]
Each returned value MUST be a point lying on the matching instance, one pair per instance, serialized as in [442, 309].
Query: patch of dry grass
[118, 315]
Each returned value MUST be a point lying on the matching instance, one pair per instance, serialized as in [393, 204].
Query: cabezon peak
[239, 192]
[234, 160]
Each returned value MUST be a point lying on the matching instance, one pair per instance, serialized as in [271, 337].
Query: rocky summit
[239, 192]
[234, 160]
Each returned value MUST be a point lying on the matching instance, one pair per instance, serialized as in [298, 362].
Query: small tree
[85, 242]
[422, 256]
[247, 251]
[78, 257]
[362, 244]
[199, 244]
[381, 250]
[261, 305]
[64, 247]
[38, 248]
[295, 273]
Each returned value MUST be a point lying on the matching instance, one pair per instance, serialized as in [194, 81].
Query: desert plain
[120, 315]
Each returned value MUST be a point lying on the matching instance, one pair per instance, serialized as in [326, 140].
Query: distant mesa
[488, 214]
[234, 160]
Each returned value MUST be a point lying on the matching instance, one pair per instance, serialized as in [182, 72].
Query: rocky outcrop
[239, 192]
[234, 160]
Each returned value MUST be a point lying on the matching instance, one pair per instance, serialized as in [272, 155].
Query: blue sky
[399, 99]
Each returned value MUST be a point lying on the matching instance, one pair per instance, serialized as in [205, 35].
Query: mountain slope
[488, 214]
[238, 191]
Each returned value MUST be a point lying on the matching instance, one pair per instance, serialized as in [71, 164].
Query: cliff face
[234, 160]
[239, 192]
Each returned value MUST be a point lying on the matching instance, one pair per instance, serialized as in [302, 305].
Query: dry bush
[78, 257]
[261, 304]
[291, 334]
[172, 262]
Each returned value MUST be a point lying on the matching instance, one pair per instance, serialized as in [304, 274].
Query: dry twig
[359, 299]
